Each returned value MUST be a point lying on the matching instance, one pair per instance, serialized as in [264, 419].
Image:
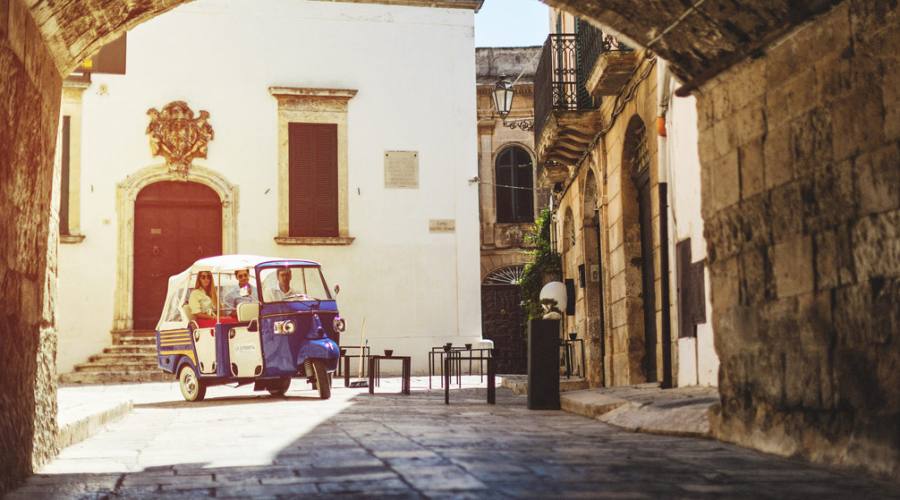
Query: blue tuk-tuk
[248, 319]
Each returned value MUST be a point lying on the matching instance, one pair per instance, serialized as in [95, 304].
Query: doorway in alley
[175, 223]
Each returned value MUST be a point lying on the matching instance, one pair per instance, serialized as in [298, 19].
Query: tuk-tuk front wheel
[323, 381]
[192, 388]
[279, 387]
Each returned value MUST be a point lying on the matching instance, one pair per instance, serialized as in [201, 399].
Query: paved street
[241, 444]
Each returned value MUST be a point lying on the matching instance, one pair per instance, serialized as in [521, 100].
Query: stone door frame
[126, 195]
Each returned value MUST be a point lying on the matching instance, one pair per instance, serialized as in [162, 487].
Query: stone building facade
[508, 199]
[798, 139]
[602, 147]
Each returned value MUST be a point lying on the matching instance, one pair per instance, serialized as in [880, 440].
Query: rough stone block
[786, 204]
[828, 196]
[756, 276]
[750, 123]
[778, 156]
[861, 126]
[725, 137]
[892, 122]
[18, 17]
[793, 267]
[826, 250]
[4, 17]
[876, 245]
[878, 180]
[726, 181]
[752, 169]
[751, 87]
[810, 141]
[724, 278]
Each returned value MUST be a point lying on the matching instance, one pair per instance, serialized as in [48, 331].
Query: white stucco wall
[698, 363]
[414, 69]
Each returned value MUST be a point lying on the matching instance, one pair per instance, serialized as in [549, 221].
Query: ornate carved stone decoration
[178, 136]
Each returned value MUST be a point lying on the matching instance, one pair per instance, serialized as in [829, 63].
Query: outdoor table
[491, 380]
[375, 372]
[457, 354]
[569, 345]
[365, 353]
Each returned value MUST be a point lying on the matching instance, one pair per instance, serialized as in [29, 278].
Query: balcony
[566, 116]
[608, 63]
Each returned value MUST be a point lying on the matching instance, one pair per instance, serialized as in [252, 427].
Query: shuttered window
[515, 194]
[691, 290]
[313, 179]
[65, 175]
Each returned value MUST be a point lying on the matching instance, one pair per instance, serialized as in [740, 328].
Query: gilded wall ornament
[177, 136]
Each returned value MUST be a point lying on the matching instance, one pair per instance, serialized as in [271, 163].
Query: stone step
[131, 337]
[131, 349]
[124, 357]
[135, 341]
[117, 367]
[115, 378]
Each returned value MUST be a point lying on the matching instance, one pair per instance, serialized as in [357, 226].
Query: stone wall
[29, 107]
[800, 151]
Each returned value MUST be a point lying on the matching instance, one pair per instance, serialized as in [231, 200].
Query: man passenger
[245, 293]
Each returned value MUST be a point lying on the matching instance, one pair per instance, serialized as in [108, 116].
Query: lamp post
[503, 95]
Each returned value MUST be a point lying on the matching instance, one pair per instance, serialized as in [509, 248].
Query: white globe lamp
[553, 295]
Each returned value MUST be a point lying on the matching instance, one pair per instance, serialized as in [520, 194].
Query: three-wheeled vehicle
[247, 319]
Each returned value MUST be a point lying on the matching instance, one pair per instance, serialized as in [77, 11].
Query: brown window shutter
[65, 175]
[312, 179]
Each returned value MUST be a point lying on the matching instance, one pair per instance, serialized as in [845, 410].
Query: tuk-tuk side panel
[171, 345]
[244, 352]
[205, 344]
[285, 353]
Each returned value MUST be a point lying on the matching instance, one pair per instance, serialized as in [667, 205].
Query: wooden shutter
[66, 155]
[524, 205]
[313, 179]
[505, 194]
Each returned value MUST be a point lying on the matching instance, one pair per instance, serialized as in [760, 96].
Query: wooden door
[175, 223]
[647, 277]
[502, 321]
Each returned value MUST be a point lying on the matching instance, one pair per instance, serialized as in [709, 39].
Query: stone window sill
[71, 238]
[314, 240]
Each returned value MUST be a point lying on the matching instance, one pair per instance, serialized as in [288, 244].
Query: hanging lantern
[503, 97]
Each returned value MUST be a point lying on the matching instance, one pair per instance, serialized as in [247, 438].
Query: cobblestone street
[242, 444]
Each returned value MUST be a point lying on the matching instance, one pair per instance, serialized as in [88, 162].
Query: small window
[313, 179]
[65, 175]
[515, 186]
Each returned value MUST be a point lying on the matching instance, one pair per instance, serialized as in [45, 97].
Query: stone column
[30, 88]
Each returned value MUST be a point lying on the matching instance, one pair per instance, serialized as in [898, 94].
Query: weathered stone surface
[808, 343]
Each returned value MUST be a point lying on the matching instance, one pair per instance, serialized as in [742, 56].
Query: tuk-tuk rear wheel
[323, 381]
[280, 387]
[192, 388]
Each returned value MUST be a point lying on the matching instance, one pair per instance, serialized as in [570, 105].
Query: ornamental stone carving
[179, 137]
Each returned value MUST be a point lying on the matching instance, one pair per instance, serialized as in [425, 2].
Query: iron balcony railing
[592, 43]
[558, 83]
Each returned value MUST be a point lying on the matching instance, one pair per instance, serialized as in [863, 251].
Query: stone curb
[81, 429]
[518, 384]
[690, 420]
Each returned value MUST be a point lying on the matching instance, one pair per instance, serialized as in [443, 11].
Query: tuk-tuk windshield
[293, 283]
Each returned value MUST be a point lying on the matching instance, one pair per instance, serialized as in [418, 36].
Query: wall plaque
[442, 225]
[401, 169]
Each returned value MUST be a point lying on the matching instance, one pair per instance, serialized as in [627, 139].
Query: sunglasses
[205, 277]
[244, 275]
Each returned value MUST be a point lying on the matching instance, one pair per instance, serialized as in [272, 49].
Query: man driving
[245, 293]
[284, 291]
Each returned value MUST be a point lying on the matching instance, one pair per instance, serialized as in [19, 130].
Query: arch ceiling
[700, 38]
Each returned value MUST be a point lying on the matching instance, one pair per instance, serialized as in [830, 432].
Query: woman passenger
[203, 300]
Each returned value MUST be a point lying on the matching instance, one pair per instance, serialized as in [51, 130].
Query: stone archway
[127, 192]
[593, 272]
[798, 144]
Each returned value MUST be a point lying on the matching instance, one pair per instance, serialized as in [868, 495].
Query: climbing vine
[544, 263]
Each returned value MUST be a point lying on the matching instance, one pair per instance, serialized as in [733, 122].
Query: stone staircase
[131, 358]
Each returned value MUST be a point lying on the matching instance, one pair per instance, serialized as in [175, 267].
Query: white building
[389, 91]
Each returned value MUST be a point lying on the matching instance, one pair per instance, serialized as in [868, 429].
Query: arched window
[515, 189]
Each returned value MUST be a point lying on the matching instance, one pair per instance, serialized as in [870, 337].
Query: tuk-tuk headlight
[286, 327]
[339, 324]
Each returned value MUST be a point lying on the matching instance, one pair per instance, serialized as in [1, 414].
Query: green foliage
[544, 262]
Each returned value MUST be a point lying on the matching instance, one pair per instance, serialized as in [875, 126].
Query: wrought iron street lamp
[503, 95]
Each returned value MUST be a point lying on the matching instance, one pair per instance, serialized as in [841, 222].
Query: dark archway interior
[799, 135]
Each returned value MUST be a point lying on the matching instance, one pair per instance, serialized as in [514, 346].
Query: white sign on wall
[401, 169]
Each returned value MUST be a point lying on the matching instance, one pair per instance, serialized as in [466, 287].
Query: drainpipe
[663, 94]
